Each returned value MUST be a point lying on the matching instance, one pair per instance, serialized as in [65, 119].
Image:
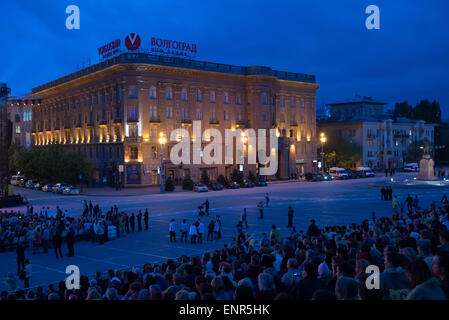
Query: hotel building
[114, 112]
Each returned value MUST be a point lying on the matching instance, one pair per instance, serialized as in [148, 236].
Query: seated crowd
[411, 252]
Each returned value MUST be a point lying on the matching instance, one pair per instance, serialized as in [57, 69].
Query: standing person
[409, 201]
[91, 207]
[27, 274]
[57, 242]
[382, 193]
[45, 238]
[145, 218]
[243, 218]
[20, 251]
[200, 231]
[126, 219]
[100, 231]
[217, 228]
[184, 230]
[267, 199]
[206, 205]
[172, 230]
[240, 234]
[193, 233]
[71, 242]
[210, 230]
[386, 172]
[260, 206]
[132, 222]
[395, 204]
[390, 193]
[290, 217]
[416, 202]
[373, 216]
[139, 220]
[313, 230]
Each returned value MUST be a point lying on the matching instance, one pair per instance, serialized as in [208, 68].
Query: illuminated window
[17, 129]
[199, 114]
[132, 92]
[153, 113]
[153, 92]
[184, 95]
[199, 96]
[133, 153]
[225, 98]
[169, 112]
[212, 96]
[169, 94]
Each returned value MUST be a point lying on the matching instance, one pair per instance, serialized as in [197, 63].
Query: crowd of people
[410, 250]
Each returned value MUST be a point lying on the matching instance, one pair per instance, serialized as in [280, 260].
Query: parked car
[233, 185]
[22, 182]
[47, 188]
[38, 186]
[16, 179]
[360, 174]
[338, 173]
[59, 187]
[326, 176]
[199, 187]
[30, 184]
[411, 167]
[367, 170]
[248, 184]
[217, 187]
[351, 174]
[261, 183]
[71, 190]
[313, 177]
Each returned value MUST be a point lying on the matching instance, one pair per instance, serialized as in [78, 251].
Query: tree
[340, 152]
[403, 110]
[169, 186]
[251, 177]
[222, 180]
[237, 176]
[205, 178]
[187, 183]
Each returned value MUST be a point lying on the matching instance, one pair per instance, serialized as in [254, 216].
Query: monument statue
[426, 171]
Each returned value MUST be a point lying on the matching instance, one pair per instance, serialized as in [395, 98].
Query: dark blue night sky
[407, 59]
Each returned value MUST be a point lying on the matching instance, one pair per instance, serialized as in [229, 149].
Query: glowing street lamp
[162, 140]
[323, 141]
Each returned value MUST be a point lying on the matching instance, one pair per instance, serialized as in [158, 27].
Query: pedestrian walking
[145, 218]
[409, 201]
[217, 228]
[200, 231]
[290, 217]
[184, 230]
[240, 234]
[382, 193]
[206, 206]
[267, 199]
[20, 252]
[172, 230]
[260, 206]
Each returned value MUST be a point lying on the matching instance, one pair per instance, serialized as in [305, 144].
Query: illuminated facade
[113, 113]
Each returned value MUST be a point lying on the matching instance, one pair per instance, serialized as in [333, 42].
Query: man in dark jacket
[310, 283]
[57, 242]
[20, 250]
[440, 268]
[145, 218]
[290, 217]
[132, 221]
[71, 242]
[313, 230]
[139, 221]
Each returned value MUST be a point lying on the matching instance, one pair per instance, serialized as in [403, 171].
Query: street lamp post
[162, 141]
[323, 141]
[244, 141]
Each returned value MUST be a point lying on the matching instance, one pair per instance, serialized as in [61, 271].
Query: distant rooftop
[357, 99]
[146, 58]
[366, 119]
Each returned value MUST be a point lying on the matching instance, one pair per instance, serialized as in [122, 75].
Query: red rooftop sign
[109, 49]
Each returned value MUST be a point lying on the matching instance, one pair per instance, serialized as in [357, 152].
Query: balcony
[67, 127]
[293, 124]
[240, 124]
[155, 120]
[118, 121]
[186, 122]
[132, 120]
[133, 139]
[103, 123]
[214, 123]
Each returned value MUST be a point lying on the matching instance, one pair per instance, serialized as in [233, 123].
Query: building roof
[379, 118]
[356, 100]
[147, 58]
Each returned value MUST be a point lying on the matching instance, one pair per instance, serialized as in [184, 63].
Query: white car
[411, 167]
[367, 170]
[15, 180]
[71, 190]
[199, 187]
[59, 187]
[338, 173]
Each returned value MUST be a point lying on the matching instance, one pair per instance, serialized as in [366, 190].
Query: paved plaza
[329, 203]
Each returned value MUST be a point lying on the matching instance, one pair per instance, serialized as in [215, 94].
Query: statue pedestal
[426, 171]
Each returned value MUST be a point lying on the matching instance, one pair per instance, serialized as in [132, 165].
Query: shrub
[169, 186]
[187, 183]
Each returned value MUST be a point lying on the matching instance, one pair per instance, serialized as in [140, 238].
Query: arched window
[212, 96]
[225, 98]
[264, 98]
[169, 94]
[132, 92]
[184, 94]
[153, 92]
[199, 95]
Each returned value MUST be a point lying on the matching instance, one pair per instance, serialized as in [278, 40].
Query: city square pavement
[329, 203]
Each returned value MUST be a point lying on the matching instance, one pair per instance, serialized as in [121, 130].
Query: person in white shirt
[184, 230]
[193, 233]
[200, 231]
[172, 230]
